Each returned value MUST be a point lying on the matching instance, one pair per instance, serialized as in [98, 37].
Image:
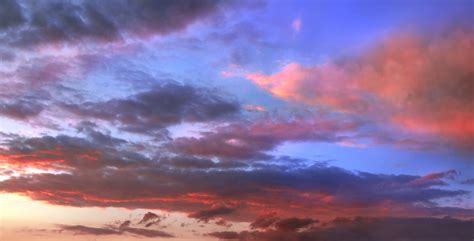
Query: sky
[249, 120]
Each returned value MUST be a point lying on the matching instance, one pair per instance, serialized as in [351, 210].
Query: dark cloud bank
[364, 229]
[35, 22]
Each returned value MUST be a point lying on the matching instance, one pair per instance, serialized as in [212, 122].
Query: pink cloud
[421, 85]
[296, 25]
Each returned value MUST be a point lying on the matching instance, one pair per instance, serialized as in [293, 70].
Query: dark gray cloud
[469, 181]
[264, 221]
[162, 106]
[95, 150]
[294, 224]
[206, 215]
[122, 230]
[150, 219]
[225, 235]
[21, 109]
[34, 22]
[10, 14]
[272, 221]
[22, 106]
[367, 229]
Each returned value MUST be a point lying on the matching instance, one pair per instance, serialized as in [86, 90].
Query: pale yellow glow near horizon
[20, 208]
[19, 213]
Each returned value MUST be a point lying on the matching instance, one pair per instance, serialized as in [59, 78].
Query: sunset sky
[248, 120]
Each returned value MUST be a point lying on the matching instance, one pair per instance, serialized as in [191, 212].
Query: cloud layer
[95, 169]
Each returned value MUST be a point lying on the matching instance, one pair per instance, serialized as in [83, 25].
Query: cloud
[264, 221]
[222, 222]
[296, 25]
[225, 235]
[436, 177]
[23, 106]
[21, 109]
[31, 22]
[45, 70]
[48, 72]
[317, 85]
[123, 229]
[65, 152]
[80, 229]
[191, 162]
[94, 171]
[272, 221]
[227, 173]
[255, 108]
[10, 14]
[125, 224]
[150, 233]
[155, 109]
[150, 219]
[420, 84]
[206, 215]
[294, 224]
[93, 168]
[53, 45]
[367, 229]
[469, 181]
[249, 140]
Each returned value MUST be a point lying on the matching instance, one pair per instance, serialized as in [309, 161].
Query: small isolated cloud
[150, 219]
[296, 25]
[254, 108]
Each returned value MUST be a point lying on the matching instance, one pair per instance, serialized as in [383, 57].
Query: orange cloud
[326, 85]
